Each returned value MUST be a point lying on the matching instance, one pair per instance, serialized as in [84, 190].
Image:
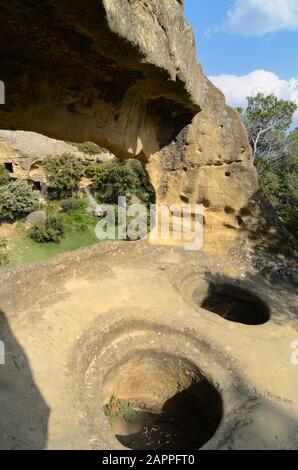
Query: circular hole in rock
[156, 401]
[229, 210]
[233, 303]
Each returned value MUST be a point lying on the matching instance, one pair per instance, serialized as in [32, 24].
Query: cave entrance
[9, 167]
[36, 185]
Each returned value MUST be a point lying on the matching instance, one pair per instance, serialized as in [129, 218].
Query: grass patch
[23, 250]
[128, 412]
[78, 232]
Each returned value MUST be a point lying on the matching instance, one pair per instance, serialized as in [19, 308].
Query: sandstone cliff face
[124, 74]
[23, 153]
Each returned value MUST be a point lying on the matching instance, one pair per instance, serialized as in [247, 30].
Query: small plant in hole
[111, 409]
[116, 407]
[128, 412]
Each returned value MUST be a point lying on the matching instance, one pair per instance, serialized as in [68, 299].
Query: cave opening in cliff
[157, 401]
[8, 167]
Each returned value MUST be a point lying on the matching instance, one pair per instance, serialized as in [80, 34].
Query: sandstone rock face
[124, 74]
[24, 153]
[94, 322]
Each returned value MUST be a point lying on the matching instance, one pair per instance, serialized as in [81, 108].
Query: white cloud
[259, 17]
[237, 88]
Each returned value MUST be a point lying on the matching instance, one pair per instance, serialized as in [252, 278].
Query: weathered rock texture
[124, 74]
[69, 324]
[23, 153]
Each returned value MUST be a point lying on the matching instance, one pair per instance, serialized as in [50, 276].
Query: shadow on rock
[23, 411]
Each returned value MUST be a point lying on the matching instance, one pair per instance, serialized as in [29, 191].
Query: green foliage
[17, 199]
[127, 412]
[280, 180]
[73, 204]
[276, 153]
[289, 216]
[4, 258]
[116, 407]
[49, 230]
[25, 250]
[3, 242]
[75, 216]
[110, 409]
[266, 119]
[120, 178]
[79, 219]
[71, 213]
[144, 190]
[112, 179]
[4, 176]
[64, 174]
[90, 148]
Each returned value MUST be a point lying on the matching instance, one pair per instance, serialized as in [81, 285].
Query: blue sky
[247, 46]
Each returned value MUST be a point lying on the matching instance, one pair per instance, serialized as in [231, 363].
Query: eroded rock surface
[104, 320]
[124, 74]
[23, 153]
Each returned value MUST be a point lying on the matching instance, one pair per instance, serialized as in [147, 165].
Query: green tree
[4, 176]
[63, 174]
[285, 171]
[145, 189]
[113, 179]
[17, 199]
[275, 152]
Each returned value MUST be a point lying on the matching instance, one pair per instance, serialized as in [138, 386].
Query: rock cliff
[124, 74]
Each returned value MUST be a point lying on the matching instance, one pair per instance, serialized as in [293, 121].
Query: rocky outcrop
[124, 74]
[23, 153]
[87, 321]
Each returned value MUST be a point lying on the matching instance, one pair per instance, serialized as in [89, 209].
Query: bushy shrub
[73, 204]
[289, 216]
[49, 230]
[64, 174]
[75, 214]
[4, 176]
[17, 199]
[144, 190]
[4, 258]
[120, 178]
[79, 218]
[3, 242]
[90, 148]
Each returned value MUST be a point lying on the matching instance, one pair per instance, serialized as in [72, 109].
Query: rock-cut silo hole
[157, 401]
[233, 303]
